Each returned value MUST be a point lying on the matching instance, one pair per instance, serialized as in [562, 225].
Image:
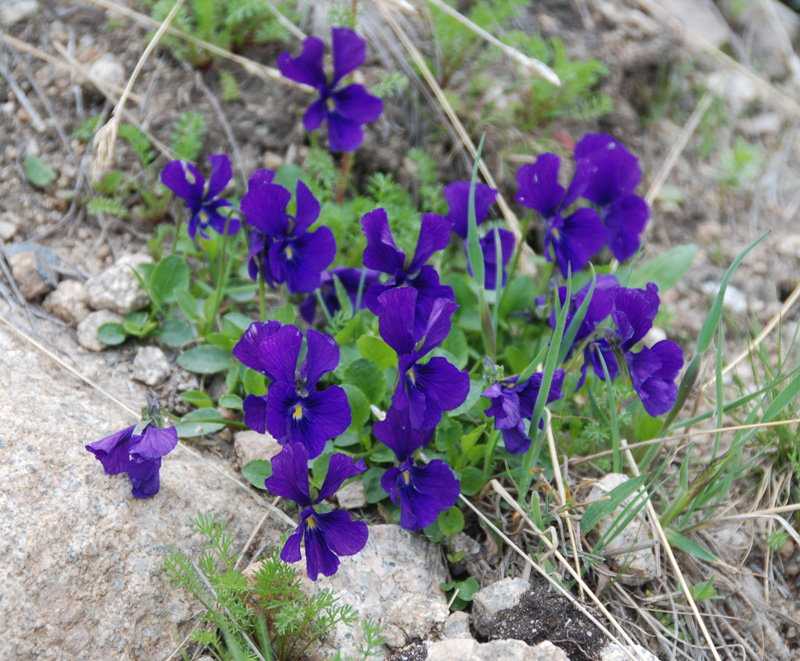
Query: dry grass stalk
[671, 556]
[511, 219]
[106, 137]
[532, 65]
[250, 66]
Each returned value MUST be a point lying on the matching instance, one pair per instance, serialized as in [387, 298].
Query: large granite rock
[81, 573]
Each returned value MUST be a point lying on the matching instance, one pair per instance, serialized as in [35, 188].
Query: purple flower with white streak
[345, 109]
[512, 403]
[137, 453]
[327, 535]
[457, 195]
[381, 254]
[425, 389]
[611, 175]
[422, 491]
[294, 410]
[570, 240]
[350, 279]
[185, 180]
[282, 244]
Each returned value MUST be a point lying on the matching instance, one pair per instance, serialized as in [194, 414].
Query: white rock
[249, 445]
[457, 626]
[12, 12]
[117, 288]
[68, 302]
[637, 567]
[351, 496]
[467, 649]
[700, 19]
[87, 329]
[500, 596]
[654, 335]
[412, 618]
[734, 300]
[612, 652]
[463, 649]
[395, 562]
[107, 69]
[789, 245]
[27, 268]
[736, 90]
[150, 366]
[7, 230]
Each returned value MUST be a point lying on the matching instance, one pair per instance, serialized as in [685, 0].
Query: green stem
[221, 277]
[490, 446]
[177, 234]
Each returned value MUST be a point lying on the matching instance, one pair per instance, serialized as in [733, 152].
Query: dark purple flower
[328, 535]
[425, 389]
[513, 403]
[350, 279]
[457, 196]
[653, 372]
[634, 312]
[282, 243]
[571, 241]
[346, 108]
[422, 491]
[611, 175]
[184, 179]
[138, 455]
[381, 254]
[596, 348]
[488, 247]
[293, 410]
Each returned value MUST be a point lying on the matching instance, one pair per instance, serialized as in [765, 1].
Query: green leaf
[230, 401]
[197, 398]
[448, 434]
[666, 269]
[456, 345]
[254, 383]
[111, 334]
[614, 498]
[176, 333]
[688, 546]
[288, 174]
[110, 182]
[468, 440]
[256, 471]
[38, 172]
[222, 340]
[476, 387]
[359, 406]
[451, 521]
[783, 399]
[368, 378]
[188, 427]
[516, 359]
[471, 481]
[519, 294]
[474, 250]
[373, 491]
[235, 324]
[187, 303]
[377, 351]
[169, 275]
[284, 314]
[206, 359]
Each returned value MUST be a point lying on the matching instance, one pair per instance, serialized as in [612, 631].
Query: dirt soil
[657, 77]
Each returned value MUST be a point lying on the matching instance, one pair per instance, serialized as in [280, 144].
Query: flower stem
[347, 164]
[221, 277]
[177, 234]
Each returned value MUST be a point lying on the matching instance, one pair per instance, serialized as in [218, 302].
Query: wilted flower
[346, 108]
[611, 175]
[293, 410]
[425, 389]
[513, 403]
[571, 241]
[282, 243]
[327, 534]
[381, 254]
[136, 451]
[422, 491]
[183, 179]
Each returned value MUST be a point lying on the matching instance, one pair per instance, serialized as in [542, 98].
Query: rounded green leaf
[368, 378]
[199, 423]
[170, 275]
[471, 481]
[233, 402]
[176, 333]
[451, 521]
[373, 491]
[206, 359]
[377, 351]
[38, 172]
[197, 398]
[256, 472]
[359, 406]
[111, 334]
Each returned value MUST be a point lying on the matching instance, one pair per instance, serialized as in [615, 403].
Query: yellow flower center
[298, 412]
[331, 107]
[288, 252]
[410, 375]
[203, 217]
[311, 522]
[406, 477]
[556, 235]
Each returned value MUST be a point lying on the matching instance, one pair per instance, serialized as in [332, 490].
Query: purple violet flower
[282, 243]
[293, 410]
[571, 241]
[612, 174]
[513, 403]
[423, 491]
[184, 179]
[138, 455]
[350, 279]
[327, 535]
[381, 254]
[653, 372]
[634, 312]
[425, 389]
[344, 108]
